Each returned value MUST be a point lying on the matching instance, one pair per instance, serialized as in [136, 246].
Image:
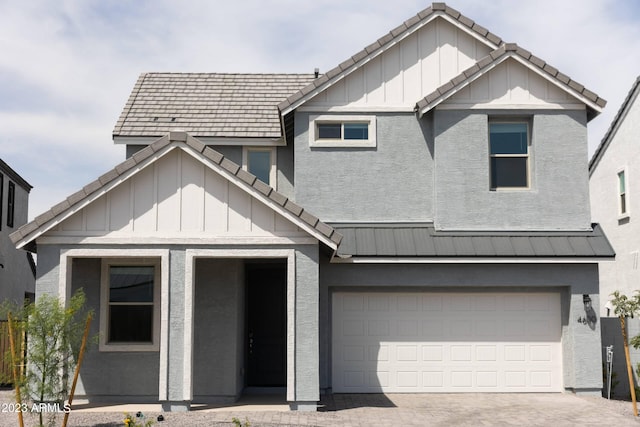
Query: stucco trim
[190, 256]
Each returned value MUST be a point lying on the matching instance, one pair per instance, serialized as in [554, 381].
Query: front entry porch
[228, 321]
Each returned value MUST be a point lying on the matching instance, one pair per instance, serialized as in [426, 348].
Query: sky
[67, 66]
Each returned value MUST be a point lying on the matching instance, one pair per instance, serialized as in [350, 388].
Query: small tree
[625, 307]
[54, 333]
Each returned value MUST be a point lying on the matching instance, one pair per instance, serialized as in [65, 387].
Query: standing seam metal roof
[422, 240]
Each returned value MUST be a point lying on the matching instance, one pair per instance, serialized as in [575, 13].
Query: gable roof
[6, 169]
[207, 104]
[504, 52]
[382, 44]
[25, 236]
[615, 125]
[422, 240]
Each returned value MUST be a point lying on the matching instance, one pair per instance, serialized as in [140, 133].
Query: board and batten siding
[408, 71]
[177, 194]
[429, 58]
[511, 83]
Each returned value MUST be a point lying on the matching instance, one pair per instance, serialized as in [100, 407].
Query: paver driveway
[382, 410]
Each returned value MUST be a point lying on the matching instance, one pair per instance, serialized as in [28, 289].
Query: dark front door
[266, 324]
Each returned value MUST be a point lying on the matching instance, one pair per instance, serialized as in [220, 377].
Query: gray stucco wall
[392, 181]
[307, 386]
[558, 197]
[581, 350]
[218, 350]
[16, 276]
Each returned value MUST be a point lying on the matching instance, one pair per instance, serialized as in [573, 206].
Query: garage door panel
[413, 342]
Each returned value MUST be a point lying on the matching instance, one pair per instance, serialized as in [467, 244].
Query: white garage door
[446, 342]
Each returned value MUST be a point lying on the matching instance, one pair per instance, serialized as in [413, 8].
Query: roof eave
[632, 95]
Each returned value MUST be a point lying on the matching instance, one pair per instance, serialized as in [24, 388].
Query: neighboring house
[410, 229]
[614, 178]
[17, 269]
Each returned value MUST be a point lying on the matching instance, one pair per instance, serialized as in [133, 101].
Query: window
[1, 197]
[11, 200]
[623, 209]
[342, 131]
[509, 152]
[129, 305]
[261, 162]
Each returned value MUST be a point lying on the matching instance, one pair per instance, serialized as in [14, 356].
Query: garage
[446, 342]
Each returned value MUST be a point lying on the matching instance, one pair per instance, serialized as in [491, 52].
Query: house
[614, 179]
[397, 224]
[17, 269]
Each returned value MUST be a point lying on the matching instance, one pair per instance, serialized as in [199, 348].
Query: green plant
[625, 307]
[236, 422]
[54, 332]
[137, 420]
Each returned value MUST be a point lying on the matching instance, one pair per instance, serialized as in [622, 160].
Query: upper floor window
[342, 131]
[622, 193]
[11, 201]
[130, 305]
[509, 153]
[261, 162]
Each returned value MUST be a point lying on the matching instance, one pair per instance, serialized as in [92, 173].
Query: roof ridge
[613, 127]
[493, 58]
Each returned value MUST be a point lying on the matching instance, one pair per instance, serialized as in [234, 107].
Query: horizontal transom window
[342, 131]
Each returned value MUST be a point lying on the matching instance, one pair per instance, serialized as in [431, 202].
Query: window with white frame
[623, 202]
[261, 162]
[509, 154]
[342, 131]
[130, 306]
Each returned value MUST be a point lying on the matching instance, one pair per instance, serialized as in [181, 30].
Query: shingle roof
[30, 231]
[615, 124]
[398, 33]
[496, 57]
[422, 240]
[208, 104]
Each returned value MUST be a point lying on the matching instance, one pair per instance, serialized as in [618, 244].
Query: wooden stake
[16, 384]
[77, 372]
[629, 371]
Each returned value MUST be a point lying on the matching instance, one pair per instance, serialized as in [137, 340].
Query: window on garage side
[509, 154]
[130, 305]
